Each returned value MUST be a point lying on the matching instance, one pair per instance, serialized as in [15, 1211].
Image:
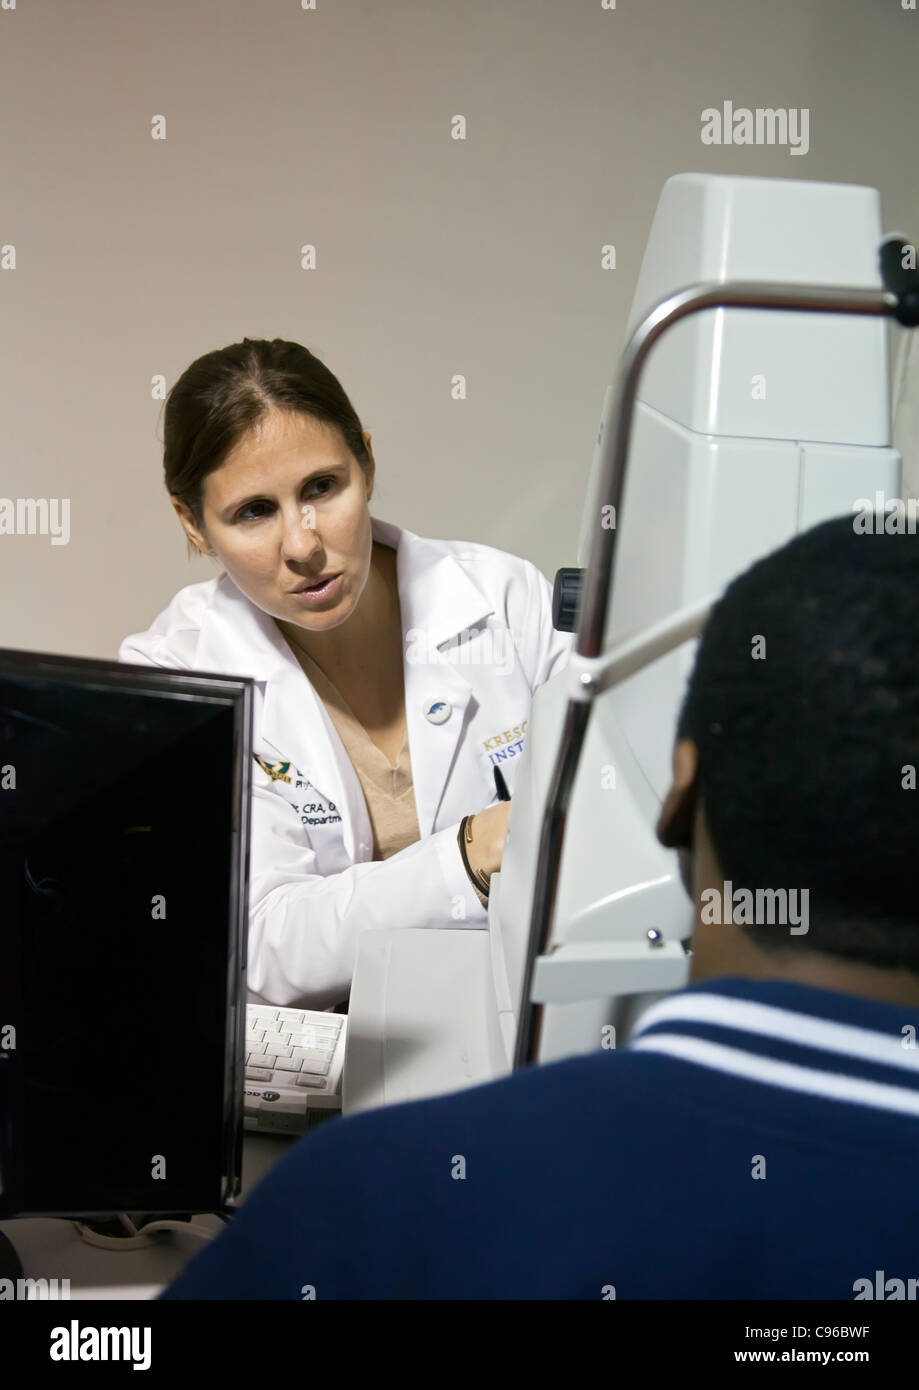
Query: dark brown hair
[222, 395]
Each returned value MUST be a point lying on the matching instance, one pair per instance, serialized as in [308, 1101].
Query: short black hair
[805, 755]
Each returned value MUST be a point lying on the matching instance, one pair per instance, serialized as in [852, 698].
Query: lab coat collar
[435, 593]
[438, 600]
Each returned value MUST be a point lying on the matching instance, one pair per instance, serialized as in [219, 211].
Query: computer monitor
[124, 835]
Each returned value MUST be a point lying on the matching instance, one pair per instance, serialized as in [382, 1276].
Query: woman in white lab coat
[384, 699]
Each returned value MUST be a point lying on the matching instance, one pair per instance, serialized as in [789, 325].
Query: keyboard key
[255, 1048]
[277, 1037]
[255, 1035]
[263, 1016]
[257, 1074]
[280, 1051]
[315, 1058]
[290, 1015]
[289, 1063]
[309, 1078]
[315, 1037]
[320, 1040]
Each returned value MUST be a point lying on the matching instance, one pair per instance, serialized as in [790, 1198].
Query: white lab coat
[478, 641]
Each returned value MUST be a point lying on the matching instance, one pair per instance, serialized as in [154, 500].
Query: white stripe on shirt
[766, 1019]
[790, 1076]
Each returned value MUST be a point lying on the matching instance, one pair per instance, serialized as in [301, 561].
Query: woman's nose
[300, 541]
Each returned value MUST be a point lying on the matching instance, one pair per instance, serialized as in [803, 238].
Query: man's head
[795, 766]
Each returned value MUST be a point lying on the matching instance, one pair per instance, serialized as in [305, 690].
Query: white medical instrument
[744, 429]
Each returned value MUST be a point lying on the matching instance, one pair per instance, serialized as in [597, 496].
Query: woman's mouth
[319, 593]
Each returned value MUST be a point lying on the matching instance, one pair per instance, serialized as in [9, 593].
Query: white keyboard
[294, 1061]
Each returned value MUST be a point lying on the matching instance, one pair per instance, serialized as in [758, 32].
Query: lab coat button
[437, 711]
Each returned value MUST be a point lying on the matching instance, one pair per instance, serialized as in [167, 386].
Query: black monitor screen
[123, 796]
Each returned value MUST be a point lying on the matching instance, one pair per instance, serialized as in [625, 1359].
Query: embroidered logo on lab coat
[319, 811]
[278, 772]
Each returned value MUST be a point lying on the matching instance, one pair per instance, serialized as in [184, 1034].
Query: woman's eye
[246, 513]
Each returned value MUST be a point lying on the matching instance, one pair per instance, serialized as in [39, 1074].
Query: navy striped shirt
[756, 1139]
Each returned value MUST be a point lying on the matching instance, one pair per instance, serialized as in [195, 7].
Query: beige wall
[435, 256]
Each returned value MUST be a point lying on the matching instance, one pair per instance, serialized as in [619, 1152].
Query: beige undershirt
[388, 788]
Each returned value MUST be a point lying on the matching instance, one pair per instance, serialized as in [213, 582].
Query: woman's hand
[486, 847]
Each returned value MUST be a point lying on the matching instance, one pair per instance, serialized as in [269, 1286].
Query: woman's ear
[196, 538]
[675, 823]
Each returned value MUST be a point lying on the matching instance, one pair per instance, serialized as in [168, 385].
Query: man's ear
[675, 823]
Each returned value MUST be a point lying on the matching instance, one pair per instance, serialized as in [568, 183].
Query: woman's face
[288, 504]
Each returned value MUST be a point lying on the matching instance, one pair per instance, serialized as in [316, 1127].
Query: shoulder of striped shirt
[658, 1031]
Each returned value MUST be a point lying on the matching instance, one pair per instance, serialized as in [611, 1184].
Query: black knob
[901, 280]
[566, 598]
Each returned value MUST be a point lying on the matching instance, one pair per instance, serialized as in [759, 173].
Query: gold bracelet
[485, 882]
[465, 838]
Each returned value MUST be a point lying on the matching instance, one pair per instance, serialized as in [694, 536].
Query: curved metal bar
[595, 602]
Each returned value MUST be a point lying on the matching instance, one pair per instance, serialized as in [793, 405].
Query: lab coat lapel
[292, 708]
[439, 602]
[237, 638]
[432, 749]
